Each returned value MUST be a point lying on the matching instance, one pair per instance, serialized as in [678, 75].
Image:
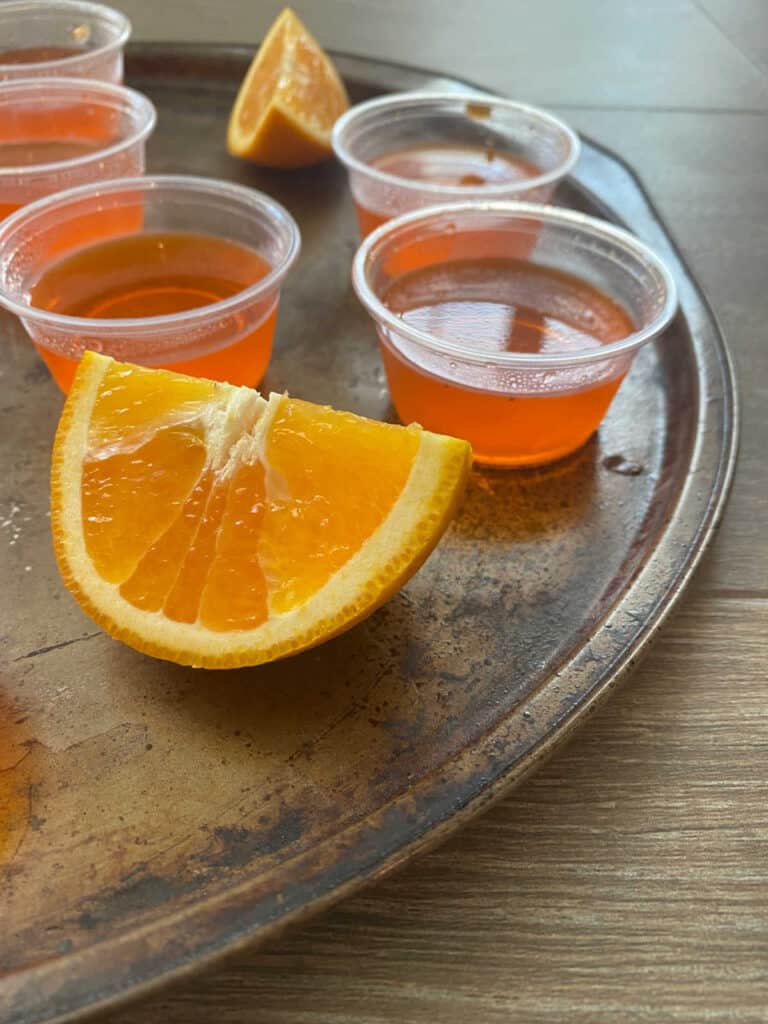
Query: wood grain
[700, 172]
[627, 881]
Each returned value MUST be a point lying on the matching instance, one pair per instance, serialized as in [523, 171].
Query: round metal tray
[155, 817]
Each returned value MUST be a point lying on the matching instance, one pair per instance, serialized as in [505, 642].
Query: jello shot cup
[61, 38]
[411, 150]
[511, 325]
[169, 271]
[59, 133]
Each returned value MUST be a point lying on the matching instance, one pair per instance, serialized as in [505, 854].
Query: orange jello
[412, 150]
[167, 271]
[510, 325]
[149, 274]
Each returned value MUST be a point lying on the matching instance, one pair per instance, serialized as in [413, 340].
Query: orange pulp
[445, 164]
[151, 274]
[503, 305]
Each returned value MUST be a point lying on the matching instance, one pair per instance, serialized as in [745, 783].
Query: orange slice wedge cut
[289, 100]
[202, 523]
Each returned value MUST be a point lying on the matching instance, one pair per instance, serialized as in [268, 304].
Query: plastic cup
[515, 408]
[70, 38]
[61, 132]
[226, 340]
[376, 128]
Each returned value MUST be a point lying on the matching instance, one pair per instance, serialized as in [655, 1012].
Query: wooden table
[628, 880]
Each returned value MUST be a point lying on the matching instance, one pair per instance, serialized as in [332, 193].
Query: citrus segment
[235, 594]
[183, 602]
[289, 100]
[357, 466]
[125, 417]
[201, 523]
[155, 574]
[153, 481]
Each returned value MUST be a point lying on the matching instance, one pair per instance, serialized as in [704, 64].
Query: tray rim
[452, 816]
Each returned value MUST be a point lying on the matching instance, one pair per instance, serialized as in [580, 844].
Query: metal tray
[153, 816]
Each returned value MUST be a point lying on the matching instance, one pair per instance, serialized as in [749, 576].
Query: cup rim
[558, 215]
[418, 98]
[257, 202]
[63, 86]
[116, 18]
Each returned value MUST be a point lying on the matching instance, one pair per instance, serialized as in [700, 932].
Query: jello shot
[171, 271]
[55, 38]
[411, 150]
[511, 325]
[59, 133]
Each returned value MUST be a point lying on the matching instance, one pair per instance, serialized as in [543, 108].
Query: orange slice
[202, 523]
[289, 100]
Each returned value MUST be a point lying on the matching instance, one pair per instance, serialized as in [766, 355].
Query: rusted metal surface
[152, 817]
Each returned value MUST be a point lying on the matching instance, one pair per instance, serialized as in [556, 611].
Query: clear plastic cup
[59, 133]
[515, 408]
[70, 38]
[373, 131]
[227, 340]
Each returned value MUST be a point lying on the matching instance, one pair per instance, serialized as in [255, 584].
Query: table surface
[626, 881]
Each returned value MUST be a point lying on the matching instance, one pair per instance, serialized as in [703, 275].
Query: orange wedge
[289, 100]
[202, 523]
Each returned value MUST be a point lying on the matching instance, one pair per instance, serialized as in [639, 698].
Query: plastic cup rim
[257, 201]
[110, 14]
[452, 192]
[49, 86]
[518, 360]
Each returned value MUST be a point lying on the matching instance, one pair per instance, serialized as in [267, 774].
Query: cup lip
[116, 18]
[589, 226]
[458, 193]
[257, 202]
[50, 87]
